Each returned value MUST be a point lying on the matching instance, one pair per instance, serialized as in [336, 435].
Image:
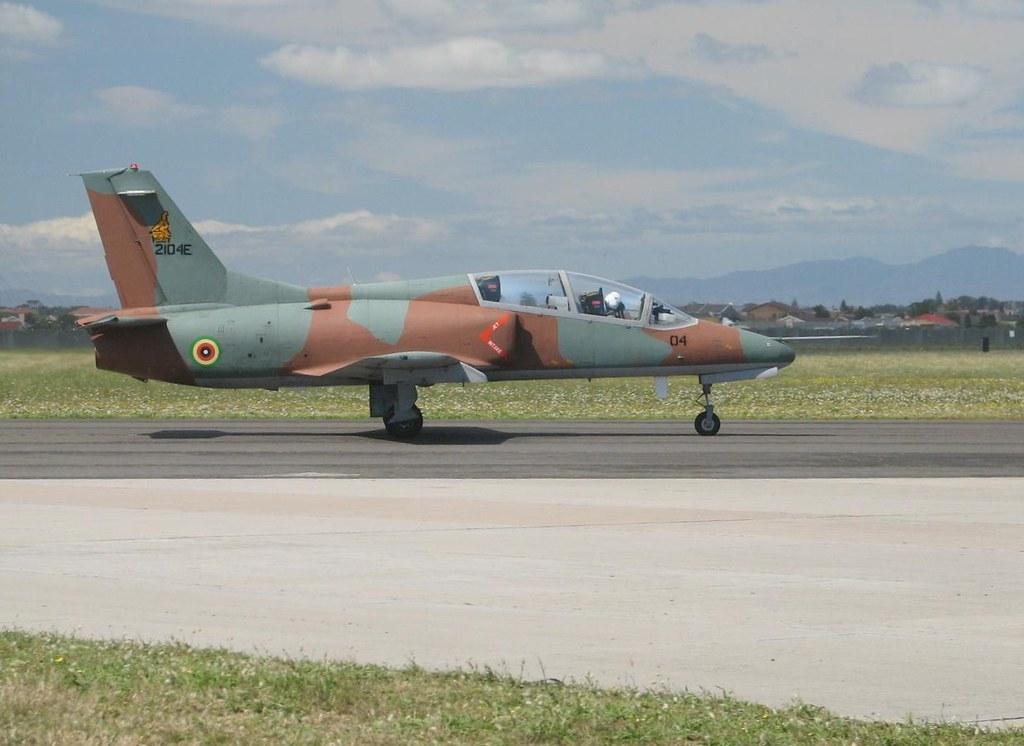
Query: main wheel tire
[703, 427]
[404, 429]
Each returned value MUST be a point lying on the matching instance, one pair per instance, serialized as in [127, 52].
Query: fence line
[999, 338]
[45, 339]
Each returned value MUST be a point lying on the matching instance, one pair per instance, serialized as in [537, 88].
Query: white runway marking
[307, 475]
[870, 596]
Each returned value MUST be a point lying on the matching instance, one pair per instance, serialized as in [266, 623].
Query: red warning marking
[487, 334]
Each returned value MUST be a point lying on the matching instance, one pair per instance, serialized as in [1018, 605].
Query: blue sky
[386, 138]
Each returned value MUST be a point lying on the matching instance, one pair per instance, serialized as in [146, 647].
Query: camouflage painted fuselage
[188, 320]
[325, 338]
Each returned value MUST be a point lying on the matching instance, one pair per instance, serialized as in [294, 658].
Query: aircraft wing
[418, 368]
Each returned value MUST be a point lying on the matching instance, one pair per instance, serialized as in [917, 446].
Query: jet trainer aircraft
[186, 319]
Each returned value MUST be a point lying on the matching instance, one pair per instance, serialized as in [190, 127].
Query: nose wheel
[707, 422]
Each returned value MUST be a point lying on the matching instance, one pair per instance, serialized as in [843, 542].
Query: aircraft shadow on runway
[456, 435]
[429, 435]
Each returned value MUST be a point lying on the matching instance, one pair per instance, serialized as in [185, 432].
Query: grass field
[873, 385]
[61, 690]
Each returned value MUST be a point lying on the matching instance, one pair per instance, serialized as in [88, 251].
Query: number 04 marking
[676, 340]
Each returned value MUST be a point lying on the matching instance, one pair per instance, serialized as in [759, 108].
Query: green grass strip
[57, 689]
[896, 384]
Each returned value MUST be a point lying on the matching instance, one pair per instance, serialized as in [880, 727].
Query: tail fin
[155, 256]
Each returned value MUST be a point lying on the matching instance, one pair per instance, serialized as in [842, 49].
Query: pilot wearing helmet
[613, 302]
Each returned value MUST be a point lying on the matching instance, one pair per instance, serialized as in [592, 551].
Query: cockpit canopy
[557, 291]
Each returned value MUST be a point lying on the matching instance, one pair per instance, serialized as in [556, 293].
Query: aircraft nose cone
[758, 348]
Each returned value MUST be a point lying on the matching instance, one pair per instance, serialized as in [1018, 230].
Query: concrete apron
[873, 597]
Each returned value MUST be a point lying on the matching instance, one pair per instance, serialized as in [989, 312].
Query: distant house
[21, 313]
[930, 319]
[771, 311]
[789, 321]
[881, 321]
[11, 324]
[714, 311]
[723, 311]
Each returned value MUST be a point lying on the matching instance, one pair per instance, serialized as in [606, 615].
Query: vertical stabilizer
[154, 255]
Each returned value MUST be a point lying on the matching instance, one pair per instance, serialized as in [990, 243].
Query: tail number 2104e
[173, 249]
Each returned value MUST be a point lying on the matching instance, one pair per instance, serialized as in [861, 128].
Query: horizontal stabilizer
[112, 320]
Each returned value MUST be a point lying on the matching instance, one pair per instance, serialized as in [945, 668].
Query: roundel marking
[205, 351]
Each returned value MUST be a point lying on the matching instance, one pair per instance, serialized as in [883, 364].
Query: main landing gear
[405, 428]
[707, 422]
[395, 404]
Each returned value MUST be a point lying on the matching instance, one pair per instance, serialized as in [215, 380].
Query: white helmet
[613, 299]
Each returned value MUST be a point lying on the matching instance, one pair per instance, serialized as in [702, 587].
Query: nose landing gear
[707, 422]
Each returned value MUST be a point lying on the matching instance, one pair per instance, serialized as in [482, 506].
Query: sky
[315, 141]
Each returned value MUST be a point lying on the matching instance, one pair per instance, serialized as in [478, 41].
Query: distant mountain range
[970, 270]
[10, 297]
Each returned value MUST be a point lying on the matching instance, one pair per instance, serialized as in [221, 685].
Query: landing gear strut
[395, 404]
[707, 422]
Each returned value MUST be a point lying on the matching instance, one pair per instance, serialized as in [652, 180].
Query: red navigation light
[134, 166]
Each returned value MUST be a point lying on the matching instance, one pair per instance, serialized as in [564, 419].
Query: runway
[507, 449]
[823, 561]
[882, 597]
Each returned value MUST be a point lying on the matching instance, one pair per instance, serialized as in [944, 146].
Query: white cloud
[996, 161]
[994, 8]
[920, 84]
[68, 232]
[50, 246]
[804, 208]
[357, 228]
[369, 224]
[823, 64]
[587, 186]
[132, 105]
[138, 106]
[251, 122]
[358, 232]
[829, 44]
[803, 58]
[25, 24]
[474, 16]
[456, 65]
[715, 50]
[213, 227]
[354, 223]
[233, 4]
[478, 169]
[41, 245]
[378, 23]
[450, 164]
